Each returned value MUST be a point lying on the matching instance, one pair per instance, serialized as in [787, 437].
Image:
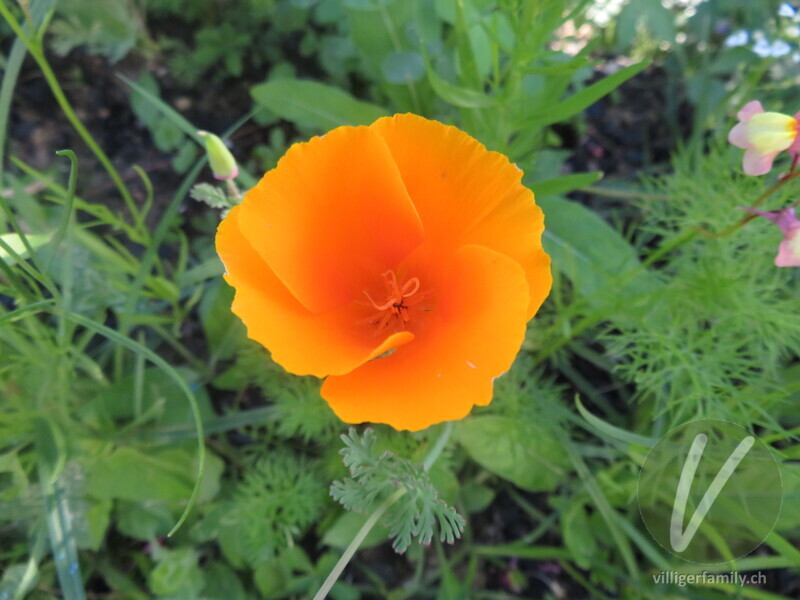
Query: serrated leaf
[211, 195]
[110, 32]
[416, 513]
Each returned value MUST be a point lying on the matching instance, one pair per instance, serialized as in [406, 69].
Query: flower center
[771, 132]
[394, 309]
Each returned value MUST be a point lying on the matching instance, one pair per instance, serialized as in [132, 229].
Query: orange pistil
[397, 304]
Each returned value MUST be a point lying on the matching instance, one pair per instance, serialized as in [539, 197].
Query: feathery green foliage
[714, 340]
[373, 478]
[278, 498]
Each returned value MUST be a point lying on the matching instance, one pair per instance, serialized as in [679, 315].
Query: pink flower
[789, 248]
[763, 135]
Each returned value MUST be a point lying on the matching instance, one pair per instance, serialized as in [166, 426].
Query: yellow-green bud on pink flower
[763, 135]
[223, 165]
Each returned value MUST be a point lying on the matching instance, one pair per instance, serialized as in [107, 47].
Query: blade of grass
[62, 540]
[28, 578]
[138, 348]
[235, 420]
[609, 515]
[186, 126]
[36, 50]
[11, 73]
[68, 204]
[150, 255]
[101, 212]
[149, 258]
[173, 115]
[524, 551]
[613, 431]
[585, 98]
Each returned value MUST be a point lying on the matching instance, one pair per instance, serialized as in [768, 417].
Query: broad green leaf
[222, 583]
[579, 538]
[157, 398]
[129, 474]
[98, 518]
[454, 94]
[143, 520]
[591, 253]
[583, 99]
[315, 105]
[522, 451]
[17, 246]
[477, 497]
[176, 573]
[564, 184]
[271, 579]
[224, 330]
[402, 67]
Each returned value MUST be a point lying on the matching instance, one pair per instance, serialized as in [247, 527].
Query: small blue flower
[786, 10]
[779, 48]
[763, 48]
[737, 38]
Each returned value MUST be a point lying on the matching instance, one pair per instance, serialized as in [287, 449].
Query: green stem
[373, 519]
[353, 547]
[745, 220]
[36, 50]
[441, 442]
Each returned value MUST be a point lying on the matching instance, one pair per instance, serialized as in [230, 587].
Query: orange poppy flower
[401, 261]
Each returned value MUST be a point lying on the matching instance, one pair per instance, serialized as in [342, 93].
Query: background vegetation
[117, 341]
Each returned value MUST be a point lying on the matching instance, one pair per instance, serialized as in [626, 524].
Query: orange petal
[473, 335]
[333, 215]
[465, 194]
[302, 342]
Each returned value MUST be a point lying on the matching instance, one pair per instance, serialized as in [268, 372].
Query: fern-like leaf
[418, 512]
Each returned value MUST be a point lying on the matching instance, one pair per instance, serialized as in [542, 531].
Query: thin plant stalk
[377, 514]
[36, 50]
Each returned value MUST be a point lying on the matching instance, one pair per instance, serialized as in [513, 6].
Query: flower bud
[789, 248]
[223, 165]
